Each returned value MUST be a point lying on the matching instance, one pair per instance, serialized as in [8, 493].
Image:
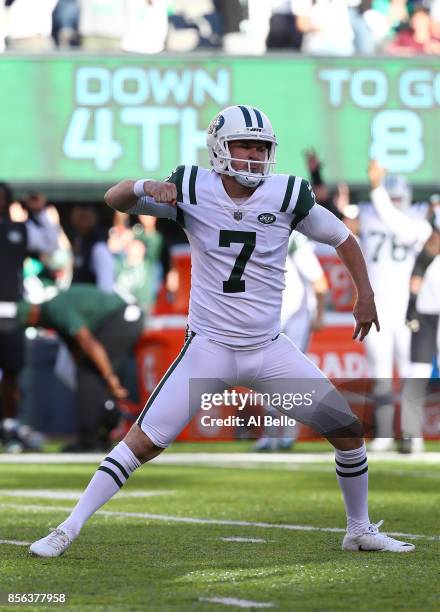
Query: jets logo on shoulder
[266, 218]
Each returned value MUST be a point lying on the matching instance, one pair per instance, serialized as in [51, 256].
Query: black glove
[412, 316]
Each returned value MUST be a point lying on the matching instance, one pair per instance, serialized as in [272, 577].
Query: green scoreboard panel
[81, 119]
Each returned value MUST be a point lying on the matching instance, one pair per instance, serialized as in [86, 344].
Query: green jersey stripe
[163, 380]
[176, 177]
[192, 185]
[295, 193]
[288, 194]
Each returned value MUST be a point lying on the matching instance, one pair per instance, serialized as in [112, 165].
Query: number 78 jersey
[238, 253]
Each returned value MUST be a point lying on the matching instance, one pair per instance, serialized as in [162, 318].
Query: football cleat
[372, 540]
[411, 445]
[53, 545]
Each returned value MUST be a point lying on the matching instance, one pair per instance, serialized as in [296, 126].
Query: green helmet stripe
[259, 117]
[246, 115]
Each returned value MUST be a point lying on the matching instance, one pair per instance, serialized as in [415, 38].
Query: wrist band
[138, 188]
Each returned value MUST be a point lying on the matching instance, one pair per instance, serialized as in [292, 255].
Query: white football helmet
[398, 189]
[240, 123]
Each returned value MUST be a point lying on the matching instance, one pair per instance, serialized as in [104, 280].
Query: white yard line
[202, 521]
[252, 540]
[15, 542]
[74, 495]
[234, 459]
[240, 603]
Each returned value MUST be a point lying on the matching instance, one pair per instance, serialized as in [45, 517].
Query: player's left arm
[364, 310]
[322, 226]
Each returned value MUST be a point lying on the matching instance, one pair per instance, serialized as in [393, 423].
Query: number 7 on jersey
[235, 284]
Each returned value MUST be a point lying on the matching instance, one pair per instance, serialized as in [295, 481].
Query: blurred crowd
[249, 27]
[93, 285]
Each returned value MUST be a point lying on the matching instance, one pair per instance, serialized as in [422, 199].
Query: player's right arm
[132, 197]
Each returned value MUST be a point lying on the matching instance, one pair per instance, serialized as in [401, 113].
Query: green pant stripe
[288, 194]
[192, 185]
[164, 379]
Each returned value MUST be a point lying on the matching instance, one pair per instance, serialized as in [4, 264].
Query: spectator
[33, 233]
[101, 330]
[147, 26]
[284, 32]
[326, 26]
[93, 262]
[142, 259]
[65, 23]
[384, 17]
[418, 39]
[29, 25]
[363, 37]
[102, 24]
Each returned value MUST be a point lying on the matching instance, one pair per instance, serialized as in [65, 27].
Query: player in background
[391, 232]
[238, 218]
[423, 321]
[302, 312]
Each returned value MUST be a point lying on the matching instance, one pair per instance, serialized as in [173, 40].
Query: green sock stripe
[351, 474]
[102, 468]
[288, 194]
[163, 380]
[192, 185]
[118, 465]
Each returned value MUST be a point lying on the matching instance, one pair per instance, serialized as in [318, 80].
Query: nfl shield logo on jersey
[238, 215]
[266, 218]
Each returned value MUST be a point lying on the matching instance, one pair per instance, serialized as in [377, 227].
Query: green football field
[225, 535]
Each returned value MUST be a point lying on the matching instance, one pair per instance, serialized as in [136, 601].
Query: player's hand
[365, 315]
[115, 387]
[376, 173]
[161, 192]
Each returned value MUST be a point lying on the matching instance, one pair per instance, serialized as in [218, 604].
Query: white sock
[352, 475]
[107, 480]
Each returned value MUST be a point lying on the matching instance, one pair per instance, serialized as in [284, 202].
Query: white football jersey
[238, 253]
[390, 259]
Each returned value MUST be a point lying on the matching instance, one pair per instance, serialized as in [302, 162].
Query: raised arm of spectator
[406, 229]
[103, 265]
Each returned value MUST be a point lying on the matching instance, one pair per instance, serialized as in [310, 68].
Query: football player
[423, 321]
[392, 232]
[238, 217]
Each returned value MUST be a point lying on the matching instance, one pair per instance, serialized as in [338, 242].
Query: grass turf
[134, 563]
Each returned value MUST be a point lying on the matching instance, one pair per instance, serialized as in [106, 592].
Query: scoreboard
[96, 119]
